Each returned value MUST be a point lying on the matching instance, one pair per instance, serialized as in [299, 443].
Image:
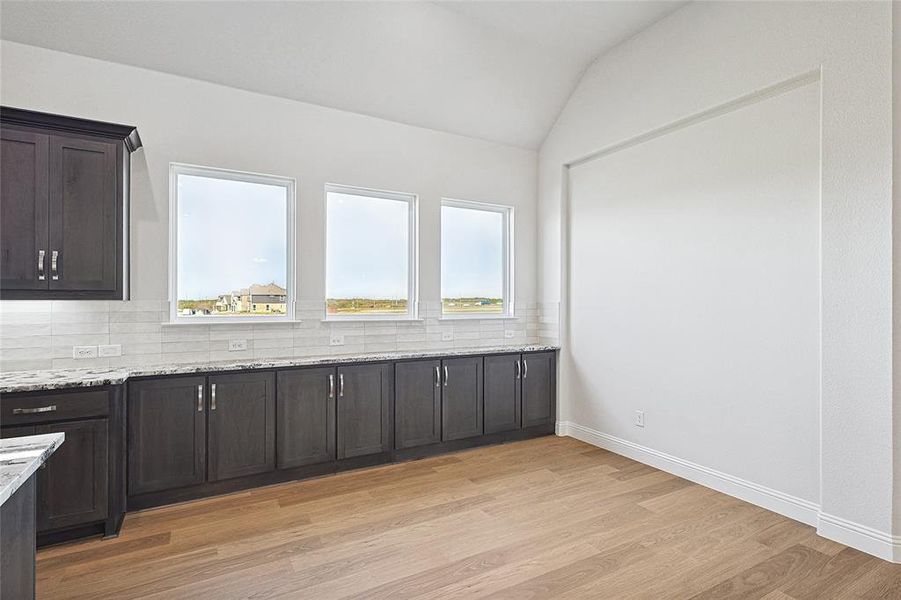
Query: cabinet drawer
[56, 406]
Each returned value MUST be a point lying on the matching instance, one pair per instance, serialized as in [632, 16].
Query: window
[370, 258]
[476, 259]
[232, 245]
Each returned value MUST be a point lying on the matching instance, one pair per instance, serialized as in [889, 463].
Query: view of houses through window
[233, 244]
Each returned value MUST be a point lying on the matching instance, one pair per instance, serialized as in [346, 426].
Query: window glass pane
[232, 248]
[368, 255]
[472, 260]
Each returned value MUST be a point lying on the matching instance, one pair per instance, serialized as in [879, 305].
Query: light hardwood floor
[545, 518]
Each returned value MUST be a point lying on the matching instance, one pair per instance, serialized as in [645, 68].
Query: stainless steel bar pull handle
[200, 398]
[34, 411]
[518, 370]
[445, 375]
[525, 368]
[41, 275]
[437, 376]
[341, 385]
[213, 397]
[54, 269]
[331, 386]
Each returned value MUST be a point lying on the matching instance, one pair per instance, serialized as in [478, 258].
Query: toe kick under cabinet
[191, 436]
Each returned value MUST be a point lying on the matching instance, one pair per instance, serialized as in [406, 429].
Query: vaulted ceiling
[499, 71]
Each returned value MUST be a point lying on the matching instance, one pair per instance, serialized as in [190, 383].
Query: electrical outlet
[639, 418]
[509, 333]
[109, 350]
[237, 345]
[447, 336]
[84, 351]
[336, 339]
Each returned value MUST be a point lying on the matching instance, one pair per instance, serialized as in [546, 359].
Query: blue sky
[366, 247]
[472, 257]
[232, 234]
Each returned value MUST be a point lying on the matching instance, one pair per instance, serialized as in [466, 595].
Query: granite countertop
[28, 381]
[20, 457]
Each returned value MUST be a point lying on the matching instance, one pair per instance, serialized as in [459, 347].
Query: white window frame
[508, 258]
[412, 201]
[290, 185]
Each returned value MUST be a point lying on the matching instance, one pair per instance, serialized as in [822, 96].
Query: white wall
[702, 57]
[184, 120]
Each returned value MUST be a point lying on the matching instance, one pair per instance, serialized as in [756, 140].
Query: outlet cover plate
[639, 418]
[109, 350]
[336, 339]
[447, 336]
[237, 345]
[509, 333]
[80, 352]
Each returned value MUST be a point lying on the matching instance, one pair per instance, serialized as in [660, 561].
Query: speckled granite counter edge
[29, 381]
[21, 457]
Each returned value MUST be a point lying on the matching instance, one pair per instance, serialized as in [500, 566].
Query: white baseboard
[866, 539]
[774, 500]
[851, 534]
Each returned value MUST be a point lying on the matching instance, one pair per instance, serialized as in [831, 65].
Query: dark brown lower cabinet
[417, 403]
[365, 398]
[503, 399]
[305, 417]
[17, 552]
[539, 384]
[80, 489]
[166, 433]
[73, 487]
[241, 437]
[461, 398]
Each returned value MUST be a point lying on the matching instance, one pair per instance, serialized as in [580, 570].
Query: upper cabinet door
[417, 403]
[242, 425]
[503, 374]
[85, 203]
[364, 409]
[461, 407]
[539, 387]
[306, 416]
[24, 228]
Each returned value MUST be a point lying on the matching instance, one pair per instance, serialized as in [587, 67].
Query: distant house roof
[267, 290]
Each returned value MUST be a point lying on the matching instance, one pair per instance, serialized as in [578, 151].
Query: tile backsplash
[40, 334]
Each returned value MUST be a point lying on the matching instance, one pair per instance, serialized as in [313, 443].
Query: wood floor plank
[544, 518]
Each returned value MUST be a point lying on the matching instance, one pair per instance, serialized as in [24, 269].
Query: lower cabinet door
[306, 417]
[365, 394]
[502, 392]
[73, 486]
[166, 433]
[417, 403]
[242, 425]
[539, 387]
[461, 398]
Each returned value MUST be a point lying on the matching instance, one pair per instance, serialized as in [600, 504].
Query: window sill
[220, 322]
[477, 317]
[376, 319]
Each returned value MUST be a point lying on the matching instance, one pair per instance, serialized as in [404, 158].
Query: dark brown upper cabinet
[63, 206]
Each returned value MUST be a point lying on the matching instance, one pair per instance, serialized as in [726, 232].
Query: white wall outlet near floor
[639, 418]
[84, 351]
[237, 345]
[509, 333]
[109, 350]
[336, 339]
[447, 336]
